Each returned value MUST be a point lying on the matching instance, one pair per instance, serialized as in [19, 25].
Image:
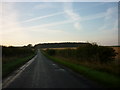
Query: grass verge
[104, 78]
[14, 64]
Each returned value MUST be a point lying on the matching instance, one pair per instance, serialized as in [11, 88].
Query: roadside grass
[111, 68]
[104, 78]
[9, 67]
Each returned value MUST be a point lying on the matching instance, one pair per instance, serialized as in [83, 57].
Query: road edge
[16, 73]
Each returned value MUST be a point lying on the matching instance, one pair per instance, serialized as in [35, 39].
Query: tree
[29, 46]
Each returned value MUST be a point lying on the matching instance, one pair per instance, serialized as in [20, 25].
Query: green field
[14, 57]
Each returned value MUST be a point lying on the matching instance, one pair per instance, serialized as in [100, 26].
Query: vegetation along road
[44, 73]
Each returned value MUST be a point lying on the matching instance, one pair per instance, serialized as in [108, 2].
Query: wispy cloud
[94, 16]
[42, 17]
[43, 6]
[13, 32]
[110, 16]
[75, 21]
[52, 24]
[73, 18]
[68, 9]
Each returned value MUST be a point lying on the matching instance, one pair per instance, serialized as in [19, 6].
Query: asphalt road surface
[44, 73]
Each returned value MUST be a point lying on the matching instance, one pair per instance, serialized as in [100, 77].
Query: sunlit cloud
[11, 31]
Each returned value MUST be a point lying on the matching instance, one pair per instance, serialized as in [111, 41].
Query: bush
[87, 52]
[106, 54]
[50, 51]
[95, 52]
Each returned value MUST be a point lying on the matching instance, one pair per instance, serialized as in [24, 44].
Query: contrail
[41, 17]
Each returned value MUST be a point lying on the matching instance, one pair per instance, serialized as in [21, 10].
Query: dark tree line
[59, 45]
[16, 51]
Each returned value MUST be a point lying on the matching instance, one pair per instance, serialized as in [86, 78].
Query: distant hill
[59, 45]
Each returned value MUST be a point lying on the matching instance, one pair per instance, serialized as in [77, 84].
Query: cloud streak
[73, 18]
[68, 9]
[108, 19]
[43, 6]
[52, 24]
[42, 17]
[13, 31]
[74, 21]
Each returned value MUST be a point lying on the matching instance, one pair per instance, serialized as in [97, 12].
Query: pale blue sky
[36, 22]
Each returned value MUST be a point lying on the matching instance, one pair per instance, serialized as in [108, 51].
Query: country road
[44, 73]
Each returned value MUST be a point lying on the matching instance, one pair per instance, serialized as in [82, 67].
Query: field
[117, 50]
[60, 48]
[14, 57]
[101, 58]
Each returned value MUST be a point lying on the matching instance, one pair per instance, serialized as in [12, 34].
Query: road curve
[44, 73]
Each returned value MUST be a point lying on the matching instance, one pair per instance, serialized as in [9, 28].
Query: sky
[24, 23]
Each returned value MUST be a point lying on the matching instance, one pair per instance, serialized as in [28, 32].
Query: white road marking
[11, 78]
[54, 64]
[57, 68]
[60, 69]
